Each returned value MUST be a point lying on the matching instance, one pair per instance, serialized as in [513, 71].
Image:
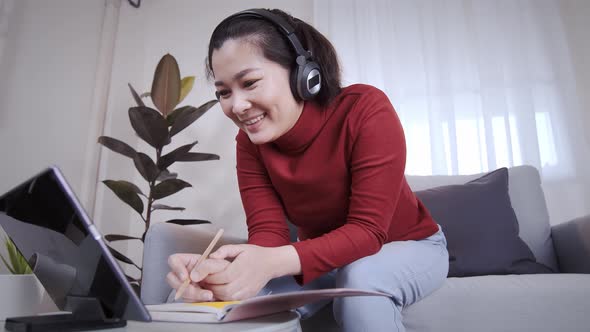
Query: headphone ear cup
[309, 80]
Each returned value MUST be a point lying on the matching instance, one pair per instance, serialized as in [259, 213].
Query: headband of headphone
[305, 78]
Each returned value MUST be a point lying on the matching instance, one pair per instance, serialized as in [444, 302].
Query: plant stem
[150, 198]
[149, 209]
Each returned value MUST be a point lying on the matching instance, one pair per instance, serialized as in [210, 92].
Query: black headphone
[306, 79]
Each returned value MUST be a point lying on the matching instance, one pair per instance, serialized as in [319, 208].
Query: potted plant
[16, 263]
[157, 127]
[21, 287]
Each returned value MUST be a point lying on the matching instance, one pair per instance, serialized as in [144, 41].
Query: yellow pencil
[199, 261]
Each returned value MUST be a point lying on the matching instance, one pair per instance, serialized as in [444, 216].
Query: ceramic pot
[23, 295]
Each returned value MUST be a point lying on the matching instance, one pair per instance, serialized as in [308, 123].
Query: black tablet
[68, 255]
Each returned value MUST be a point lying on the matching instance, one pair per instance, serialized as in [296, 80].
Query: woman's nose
[240, 104]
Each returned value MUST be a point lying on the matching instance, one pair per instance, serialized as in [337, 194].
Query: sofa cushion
[528, 202]
[509, 303]
[481, 227]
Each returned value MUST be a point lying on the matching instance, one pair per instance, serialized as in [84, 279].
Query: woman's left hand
[252, 267]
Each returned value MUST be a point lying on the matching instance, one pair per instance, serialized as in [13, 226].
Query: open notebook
[219, 312]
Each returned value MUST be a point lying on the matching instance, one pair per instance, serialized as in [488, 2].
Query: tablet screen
[69, 257]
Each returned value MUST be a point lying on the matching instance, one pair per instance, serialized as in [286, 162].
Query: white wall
[47, 66]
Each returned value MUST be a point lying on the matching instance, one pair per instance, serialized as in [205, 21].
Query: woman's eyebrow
[238, 75]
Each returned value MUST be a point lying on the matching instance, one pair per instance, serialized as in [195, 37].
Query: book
[220, 312]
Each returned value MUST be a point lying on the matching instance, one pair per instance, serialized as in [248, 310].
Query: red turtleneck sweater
[338, 175]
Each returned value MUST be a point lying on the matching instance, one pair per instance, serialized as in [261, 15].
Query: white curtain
[478, 84]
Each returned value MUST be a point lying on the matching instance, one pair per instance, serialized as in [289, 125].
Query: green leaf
[8, 265]
[118, 237]
[127, 192]
[149, 125]
[197, 156]
[166, 207]
[171, 118]
[135, 96]
[185, 222]
[117, 146]
[186, 85]
[131, 186]
[18, 264]
[121, 257]
[169, 158]
[187, 117]
[168, 187]
[23, 265]
[165, 175]
[166, 85]
[12, 254]
[146, 167]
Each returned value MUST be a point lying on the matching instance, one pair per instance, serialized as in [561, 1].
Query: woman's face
[253, 91]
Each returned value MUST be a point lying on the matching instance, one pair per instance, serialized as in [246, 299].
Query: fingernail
[182, 276]
[194, 276]
[209, 296]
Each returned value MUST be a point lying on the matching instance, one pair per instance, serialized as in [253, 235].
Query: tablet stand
[86, 314]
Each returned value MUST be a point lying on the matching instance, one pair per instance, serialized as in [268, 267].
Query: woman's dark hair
[275, 47]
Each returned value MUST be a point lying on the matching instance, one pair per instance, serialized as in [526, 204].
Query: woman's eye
[249, 83]
[222, 93]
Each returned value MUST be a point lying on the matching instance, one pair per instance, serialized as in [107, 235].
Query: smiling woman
[330, 160]
[266, 116]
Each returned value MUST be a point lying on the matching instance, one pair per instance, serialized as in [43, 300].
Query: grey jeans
[407, 270]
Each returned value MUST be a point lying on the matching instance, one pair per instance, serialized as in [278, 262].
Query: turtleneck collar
[306, 128]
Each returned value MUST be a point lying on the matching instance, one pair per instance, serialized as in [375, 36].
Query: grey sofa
[536, 302]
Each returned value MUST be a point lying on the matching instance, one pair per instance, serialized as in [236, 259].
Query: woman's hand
[252, 267]
[196, 291]
[246, 275]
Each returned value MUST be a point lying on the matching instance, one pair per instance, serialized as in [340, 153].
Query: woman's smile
[254, 120]
[253, 124]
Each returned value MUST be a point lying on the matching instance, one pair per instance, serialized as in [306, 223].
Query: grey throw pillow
[481, 227]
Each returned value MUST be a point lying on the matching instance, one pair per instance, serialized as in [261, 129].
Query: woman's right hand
[195, 292]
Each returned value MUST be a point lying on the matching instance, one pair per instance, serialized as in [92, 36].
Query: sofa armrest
[572, 245]
[163, 240]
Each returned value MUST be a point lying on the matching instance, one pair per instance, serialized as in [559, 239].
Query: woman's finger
[227, 251]
[173, 280]
[194, 293]
[179, 264]
[220, 292]
[221, 277]
[207, 268]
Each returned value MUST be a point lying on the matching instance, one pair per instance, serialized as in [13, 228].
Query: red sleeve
[377, 163]
[265, 215]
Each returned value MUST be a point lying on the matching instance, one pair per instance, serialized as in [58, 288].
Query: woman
[330, 160]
